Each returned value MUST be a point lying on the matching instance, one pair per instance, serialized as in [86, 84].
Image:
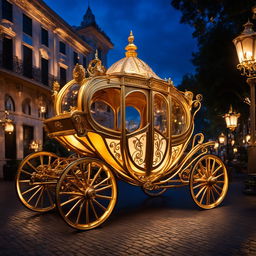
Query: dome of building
[131, 64]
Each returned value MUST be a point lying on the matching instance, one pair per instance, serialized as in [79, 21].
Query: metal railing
[17, 66]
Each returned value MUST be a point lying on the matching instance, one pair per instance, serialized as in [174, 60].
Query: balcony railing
[17, 66]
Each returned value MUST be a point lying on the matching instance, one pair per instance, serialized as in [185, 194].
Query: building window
[27, 25]
[9, 103]
[7, 57]
[44, 71]
[63, 76]
[75, 58]
[84, 61]
[6, 10]
[44, 37]
[27, 61]
[62, 48]
[28, 137]
[26, 108]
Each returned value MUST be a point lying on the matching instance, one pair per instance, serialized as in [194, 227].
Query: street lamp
[7, 123]
[246, 51]
[222, 138]
[231, 119]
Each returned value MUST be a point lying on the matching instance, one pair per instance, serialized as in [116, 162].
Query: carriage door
[160, 133]
[136, 128]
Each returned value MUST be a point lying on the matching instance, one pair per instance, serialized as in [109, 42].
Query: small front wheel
[208, 181]
[86, 193]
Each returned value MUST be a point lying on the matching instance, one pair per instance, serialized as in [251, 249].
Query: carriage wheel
[34, 189]
[155, 192]
[86, 193]
[208, 182]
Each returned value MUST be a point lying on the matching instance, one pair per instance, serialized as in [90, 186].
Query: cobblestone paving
[167, 225]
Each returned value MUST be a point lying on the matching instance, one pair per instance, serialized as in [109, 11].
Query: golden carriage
[123, 123]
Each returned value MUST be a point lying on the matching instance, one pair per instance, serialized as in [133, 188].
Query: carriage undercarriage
[84, 189]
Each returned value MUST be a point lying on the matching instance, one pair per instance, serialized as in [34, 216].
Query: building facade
[38, 47]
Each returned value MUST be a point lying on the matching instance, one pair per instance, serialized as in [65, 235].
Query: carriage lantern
[122, 123]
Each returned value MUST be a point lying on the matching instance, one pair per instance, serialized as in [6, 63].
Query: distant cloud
[163, 43]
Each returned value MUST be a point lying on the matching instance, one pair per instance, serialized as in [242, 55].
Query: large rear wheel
[208, 182]
[86, 193]
[35, 181]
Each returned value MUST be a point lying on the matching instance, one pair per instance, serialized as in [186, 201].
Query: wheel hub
[89, 193]
[211, 180]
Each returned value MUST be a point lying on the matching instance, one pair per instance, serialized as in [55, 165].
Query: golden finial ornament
[78, 73]
[131, 47]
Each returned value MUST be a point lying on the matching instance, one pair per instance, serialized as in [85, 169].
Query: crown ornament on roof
[131, 47]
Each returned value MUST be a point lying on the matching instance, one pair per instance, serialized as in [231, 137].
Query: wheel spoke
[213, 166]
[216, 170]
[96, 175]
[73, 207]
[199, 185]
[212, 193]
[49, 196]
[99, 204]
[202, 197]
[34, 194]
[40, 196]
[208, 167]
[208, 196]
[32, 166]
[70, 200]
[24, 181]
[70, 193]
[70, 180]
[219, 175]
[77, 178]
[201, 168]
[31, 189]
[93, 209]
[218, 187]
[41, 160]
[79, 213]
[49, 161]
[103, 188]
[98, 184]
[28, 173]
[89, 173]
[216, 190]
[200, 191]
[103, 196]
[87, 217]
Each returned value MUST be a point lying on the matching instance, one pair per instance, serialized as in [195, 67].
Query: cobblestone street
[139, 225]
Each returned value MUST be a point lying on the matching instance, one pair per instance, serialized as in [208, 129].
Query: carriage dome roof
[131, 64]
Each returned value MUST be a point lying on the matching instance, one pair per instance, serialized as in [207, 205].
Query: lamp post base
[250, 182]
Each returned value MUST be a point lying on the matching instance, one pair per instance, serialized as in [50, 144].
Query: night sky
[163, 43]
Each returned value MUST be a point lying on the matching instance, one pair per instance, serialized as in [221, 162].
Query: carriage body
[125, 123]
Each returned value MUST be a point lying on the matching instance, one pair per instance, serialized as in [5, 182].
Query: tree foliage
[216, 23]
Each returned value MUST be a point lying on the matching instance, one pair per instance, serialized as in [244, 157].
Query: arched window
[9, 103]
[104, 107]
[26, 108]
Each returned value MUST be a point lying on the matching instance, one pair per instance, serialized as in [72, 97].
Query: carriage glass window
[135, 111]
[104, 107]
[69, 99]
[178, 118]
[160, 114]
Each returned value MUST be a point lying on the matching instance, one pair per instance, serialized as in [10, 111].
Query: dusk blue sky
[163, 43]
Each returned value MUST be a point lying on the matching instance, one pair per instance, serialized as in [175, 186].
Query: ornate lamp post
[245, 46]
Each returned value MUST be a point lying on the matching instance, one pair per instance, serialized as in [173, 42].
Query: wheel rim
[86, 193]
[34, 186]
[208, 182]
